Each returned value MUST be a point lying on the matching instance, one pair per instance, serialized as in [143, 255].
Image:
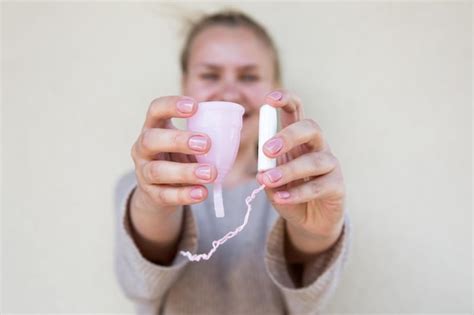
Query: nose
[230, 92]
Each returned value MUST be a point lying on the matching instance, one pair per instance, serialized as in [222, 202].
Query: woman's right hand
[166, 169]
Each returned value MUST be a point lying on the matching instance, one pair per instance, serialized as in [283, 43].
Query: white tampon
[267, 128]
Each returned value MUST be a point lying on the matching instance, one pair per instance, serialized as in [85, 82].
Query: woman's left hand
[307, 187]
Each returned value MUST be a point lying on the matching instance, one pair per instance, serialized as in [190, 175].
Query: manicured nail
[203, 172]
[273, 175]
[185, 106]
[275, 95]
[198, 143]
[196, 193]
[283, 194]
[274, 145]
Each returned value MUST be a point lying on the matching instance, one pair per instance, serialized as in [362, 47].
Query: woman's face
[234, 65]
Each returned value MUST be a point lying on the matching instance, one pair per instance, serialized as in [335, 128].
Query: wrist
[302, 245]
[155, 232]
[144, 217]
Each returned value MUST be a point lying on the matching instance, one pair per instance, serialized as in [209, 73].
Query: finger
[182, 158]
[167, 172]
[307, 165]
[156, 140]
[305, 131]
[166, 195]
[164, 108]
[290, 104]
[328, 186]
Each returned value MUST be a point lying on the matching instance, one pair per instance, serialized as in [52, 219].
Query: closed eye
[249, 78]
[209, 76]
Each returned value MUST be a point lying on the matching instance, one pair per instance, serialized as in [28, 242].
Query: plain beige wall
[390, 83]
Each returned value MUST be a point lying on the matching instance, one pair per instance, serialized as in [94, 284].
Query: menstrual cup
[222, 122]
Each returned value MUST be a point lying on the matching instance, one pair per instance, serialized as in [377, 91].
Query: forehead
[229, 46]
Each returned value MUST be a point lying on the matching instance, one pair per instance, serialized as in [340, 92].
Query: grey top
[246, 275]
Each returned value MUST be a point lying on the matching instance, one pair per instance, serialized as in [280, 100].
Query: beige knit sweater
[246, 275]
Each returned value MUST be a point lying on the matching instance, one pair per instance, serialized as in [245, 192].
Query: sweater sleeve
[319, 277]
[142, 281]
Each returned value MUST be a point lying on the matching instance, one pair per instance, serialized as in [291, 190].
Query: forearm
[156, 233]
[302, 246]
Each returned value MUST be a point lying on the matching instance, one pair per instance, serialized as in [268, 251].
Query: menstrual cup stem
[218, 202]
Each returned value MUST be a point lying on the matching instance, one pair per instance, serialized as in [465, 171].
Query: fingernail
[198, 143]
[283, 194]
[185, 106]
[275, 95]
[273, 175]
[274, 145]
[203, 172]
[196, 193]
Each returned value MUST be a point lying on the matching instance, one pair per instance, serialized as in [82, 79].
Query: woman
[288, 258]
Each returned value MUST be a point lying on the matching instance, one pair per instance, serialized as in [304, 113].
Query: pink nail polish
[275, 95]
[274, 145]
[185, 106]
[196, 193]
[198, 143]
[283, 194]
[273, 175]
[203, 172]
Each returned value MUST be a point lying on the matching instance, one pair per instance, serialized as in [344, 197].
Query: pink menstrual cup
[222, 122]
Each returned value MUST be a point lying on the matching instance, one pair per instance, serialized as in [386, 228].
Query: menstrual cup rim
[234, 106]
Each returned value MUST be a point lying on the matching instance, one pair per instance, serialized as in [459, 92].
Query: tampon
[267, 128]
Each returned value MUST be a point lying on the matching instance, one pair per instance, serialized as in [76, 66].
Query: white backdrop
[390, 83]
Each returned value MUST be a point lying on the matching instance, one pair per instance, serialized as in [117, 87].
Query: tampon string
[215, 244]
